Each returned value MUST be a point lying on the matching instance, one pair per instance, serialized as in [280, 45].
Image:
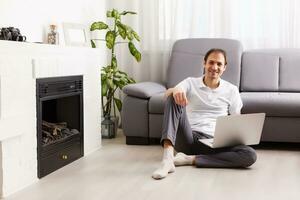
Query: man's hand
[180, 97]
[168, 92]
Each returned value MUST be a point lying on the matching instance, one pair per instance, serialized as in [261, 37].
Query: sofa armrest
[143, 90]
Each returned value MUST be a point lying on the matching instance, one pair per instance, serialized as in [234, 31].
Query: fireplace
[59, 122]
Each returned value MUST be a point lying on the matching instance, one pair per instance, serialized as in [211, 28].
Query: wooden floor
[121, 172]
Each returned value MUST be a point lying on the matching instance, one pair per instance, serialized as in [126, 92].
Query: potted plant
[112, 78]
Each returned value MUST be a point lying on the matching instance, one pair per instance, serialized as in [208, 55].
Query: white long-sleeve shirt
[206, 104]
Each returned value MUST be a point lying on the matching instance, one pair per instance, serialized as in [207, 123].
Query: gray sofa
[267, 78]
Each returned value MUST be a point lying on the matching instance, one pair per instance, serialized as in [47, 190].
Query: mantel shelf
[37, 48]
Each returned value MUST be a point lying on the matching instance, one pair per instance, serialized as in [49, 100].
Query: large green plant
[112, 78]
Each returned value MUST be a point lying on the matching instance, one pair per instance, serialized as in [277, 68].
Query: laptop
[236, 129]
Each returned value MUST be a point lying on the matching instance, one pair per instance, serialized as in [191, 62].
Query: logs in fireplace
[53, 132]
[59, 122]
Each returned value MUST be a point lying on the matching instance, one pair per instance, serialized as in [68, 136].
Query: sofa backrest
[271, 70]
[188, 54]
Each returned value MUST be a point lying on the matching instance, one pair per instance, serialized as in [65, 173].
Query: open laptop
[236, 129]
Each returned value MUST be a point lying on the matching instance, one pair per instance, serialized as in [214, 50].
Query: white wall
[33, 17]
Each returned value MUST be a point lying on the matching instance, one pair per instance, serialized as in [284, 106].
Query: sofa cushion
[183, 65]
[271, 70]
[157, 103]
[272, 103]
[260, 72]
[289, 70]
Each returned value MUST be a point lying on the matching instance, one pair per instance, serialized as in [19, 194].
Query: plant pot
[109, 127]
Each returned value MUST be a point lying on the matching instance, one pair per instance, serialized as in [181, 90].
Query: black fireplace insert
[59, 122]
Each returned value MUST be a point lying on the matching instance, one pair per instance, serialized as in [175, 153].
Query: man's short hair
[214, 50]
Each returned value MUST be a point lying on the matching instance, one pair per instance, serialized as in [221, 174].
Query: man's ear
[225, 66]
[203, 65]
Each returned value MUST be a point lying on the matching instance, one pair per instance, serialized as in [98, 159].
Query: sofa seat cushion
[157, 103]
[274, 104]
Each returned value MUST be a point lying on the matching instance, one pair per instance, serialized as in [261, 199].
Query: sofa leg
[131, 140]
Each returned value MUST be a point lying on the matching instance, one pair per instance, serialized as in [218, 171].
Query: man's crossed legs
[177, 133]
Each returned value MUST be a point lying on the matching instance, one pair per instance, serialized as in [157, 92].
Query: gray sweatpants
[177, 129]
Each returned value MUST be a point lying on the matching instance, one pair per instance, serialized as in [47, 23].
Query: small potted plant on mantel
[112, 78]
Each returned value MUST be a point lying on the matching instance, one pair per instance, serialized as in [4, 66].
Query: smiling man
[190, 114]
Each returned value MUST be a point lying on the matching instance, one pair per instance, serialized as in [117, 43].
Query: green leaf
[123, 73]
[110, 39]
[120, 75]
[110, 84]
[104, 88]
[129, 36]
[106, 69]
[138, 56]
[136, 36]
[124, 79]
[132, 80]
[98, 26]
[129, 33]
[122, 30]
[117, 76]
[103, 77]
[115, 14]
[121, 84]
[109, 14]
[134, 52]
[118, 103]
[114, 62]
[116, 80]
[93, 44]
[128, 12]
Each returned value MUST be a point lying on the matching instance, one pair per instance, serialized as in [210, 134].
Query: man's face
[215, 65]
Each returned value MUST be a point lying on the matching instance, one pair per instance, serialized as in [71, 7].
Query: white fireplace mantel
[20, 65]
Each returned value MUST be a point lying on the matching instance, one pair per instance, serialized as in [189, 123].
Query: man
[191, 110]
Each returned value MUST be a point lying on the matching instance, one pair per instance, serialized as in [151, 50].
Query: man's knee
[170, 99]
[170, 102]
[248, 155]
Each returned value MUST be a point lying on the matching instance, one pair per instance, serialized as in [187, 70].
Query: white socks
[167, 164]
[183, 159]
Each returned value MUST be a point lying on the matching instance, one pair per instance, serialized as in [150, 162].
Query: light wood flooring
[121, 172]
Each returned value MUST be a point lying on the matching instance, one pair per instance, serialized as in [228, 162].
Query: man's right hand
[180, 97]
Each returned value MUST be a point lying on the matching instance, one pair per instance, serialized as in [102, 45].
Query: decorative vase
[109, 127]
[52, 36]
